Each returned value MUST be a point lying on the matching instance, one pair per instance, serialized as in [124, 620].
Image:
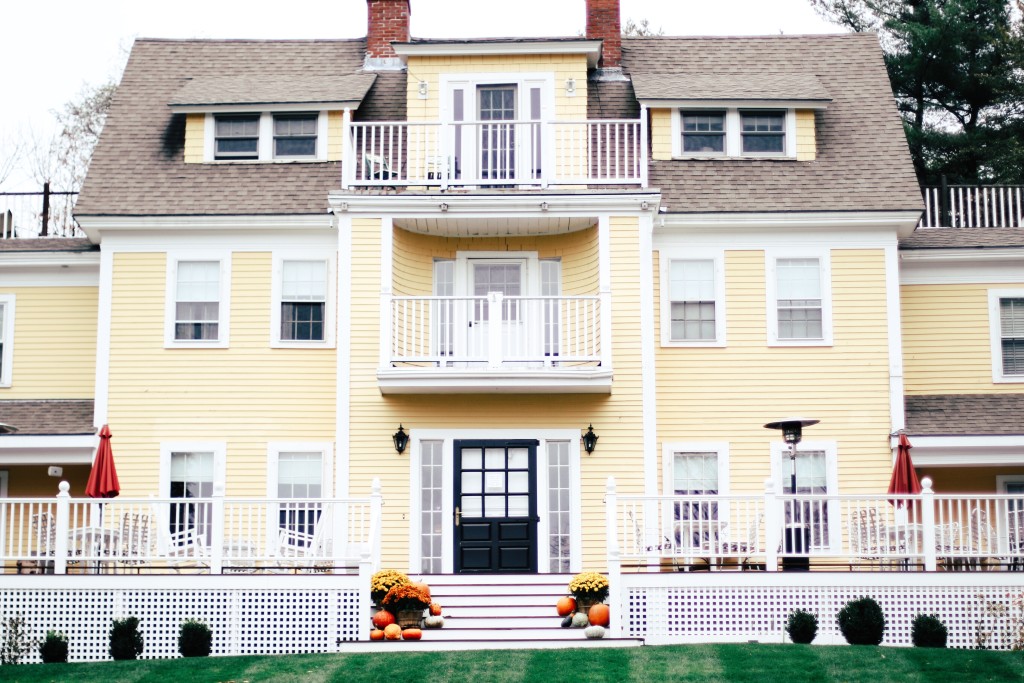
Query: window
[197, 301]
[303, 300]
[1011, 335]
[237, 137]
[192, 475]
[816, 475]
[431, 515]
[692, 297]
[799, 298]
[704, 132]
[696, 470]
[559, 507]
[763, 132]
[295, 135]
[6, 338]
[692, 294]
[299, 475]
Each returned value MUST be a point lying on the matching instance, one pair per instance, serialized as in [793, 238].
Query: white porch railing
[203, 535]
[495, 331]
[926, 531]
[495, 153]
[968, 206]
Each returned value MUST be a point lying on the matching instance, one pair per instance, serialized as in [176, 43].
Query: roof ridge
[250, 40]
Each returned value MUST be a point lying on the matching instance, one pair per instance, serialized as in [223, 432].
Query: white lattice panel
[243, 621]
[707, 613]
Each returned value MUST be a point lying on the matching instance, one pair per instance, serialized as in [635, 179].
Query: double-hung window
[197, 301]
[6, 338]
[302, 314]
[299, 475]
[1006, 315]
[799, 300]
[763, 132]
[703, 132]
[237, 137]
[192, 475]
[817, 479]
[698, 473]
[692, 295]
[295, 136]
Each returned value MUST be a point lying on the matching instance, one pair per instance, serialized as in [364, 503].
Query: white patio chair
[746, 547]
[133, 535]
[302, 551]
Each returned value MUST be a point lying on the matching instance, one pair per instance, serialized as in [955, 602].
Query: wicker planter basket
[409, 618]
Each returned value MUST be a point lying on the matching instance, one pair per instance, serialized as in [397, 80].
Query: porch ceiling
[493, 226]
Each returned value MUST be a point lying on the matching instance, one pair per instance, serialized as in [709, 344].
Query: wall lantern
[570, 87]
[401, 440]
[423, 89]
[590, 440]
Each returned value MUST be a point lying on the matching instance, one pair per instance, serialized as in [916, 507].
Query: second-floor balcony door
[497, 115]
[490, 277]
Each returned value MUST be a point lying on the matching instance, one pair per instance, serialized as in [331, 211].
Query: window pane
[798, 288]
[198, 281]
[295, 135]
[692, 291]
[302, 322]
[703, 132]
[236, 137]
[1011, 320]
[197, 307]
[558, 506]
[431, 497]
[763, 132]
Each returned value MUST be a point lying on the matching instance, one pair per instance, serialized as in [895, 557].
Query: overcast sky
[52, 48]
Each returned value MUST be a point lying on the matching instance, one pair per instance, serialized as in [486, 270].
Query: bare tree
[640, 29]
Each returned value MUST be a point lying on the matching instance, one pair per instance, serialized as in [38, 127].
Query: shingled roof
[138, 167]
[963, 238]
[862, 164]
[711, 86]
[48, 418]
[965, 415]
[72, 244]
[254, 89]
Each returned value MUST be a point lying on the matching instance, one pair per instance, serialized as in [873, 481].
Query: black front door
[496, 506]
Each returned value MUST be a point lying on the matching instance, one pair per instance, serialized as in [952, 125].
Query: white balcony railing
[854, 531]
[204, 535]
[973, 206]
[495, 331]
[496, 153]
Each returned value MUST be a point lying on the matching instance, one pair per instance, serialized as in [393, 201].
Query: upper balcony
[518, 154]
[973, 206]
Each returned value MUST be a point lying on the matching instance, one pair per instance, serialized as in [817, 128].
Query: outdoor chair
[869, 538]
[133, 535]
[303, 551]
[983, 540]
[377, 167]
[747, 547]
[43, 538]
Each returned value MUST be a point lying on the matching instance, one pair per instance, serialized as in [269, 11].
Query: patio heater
[797, 536]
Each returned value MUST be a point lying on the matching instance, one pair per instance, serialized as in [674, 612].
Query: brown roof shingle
[705, 86]
[965, 414]
[257, 89]
[138, 167]
[862, 163]
[48, 244]
[963, 238]
[48, 417]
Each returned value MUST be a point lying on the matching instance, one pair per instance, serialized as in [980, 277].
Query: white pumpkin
[433, 621]
[594, 632]
[579, 620]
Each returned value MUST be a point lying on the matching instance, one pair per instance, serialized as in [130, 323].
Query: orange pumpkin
[566, 606]
[435, 609]
[382, 618]
[599, 615]
[412, 634]
[376, 634]
[392, 632]
[423, 587]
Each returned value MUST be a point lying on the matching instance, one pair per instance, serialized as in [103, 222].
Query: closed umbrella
[103, 477]
[904, 481]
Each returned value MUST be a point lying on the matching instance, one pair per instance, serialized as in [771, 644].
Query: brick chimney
[386, 21]
[603, 23]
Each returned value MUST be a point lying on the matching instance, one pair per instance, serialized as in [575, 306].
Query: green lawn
[726, 663]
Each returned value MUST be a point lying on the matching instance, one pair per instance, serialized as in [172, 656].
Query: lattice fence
[993, 614]
[243, 621]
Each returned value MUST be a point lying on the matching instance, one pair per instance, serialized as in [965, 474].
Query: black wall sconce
[590, 440]
[401, 440]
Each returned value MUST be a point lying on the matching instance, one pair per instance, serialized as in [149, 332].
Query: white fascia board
[733, 104]
[94, 226]
[49, 259]
[977, 254]
[590, 48]
[476, 205]
[258, 107]
[967, 451]
[443, 382]
[1004, 268]
[48, 450]
[902, 221]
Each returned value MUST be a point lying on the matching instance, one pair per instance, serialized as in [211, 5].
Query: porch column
[772, 524]
[928, 524]
[348, 152]
[219, 522]
[60, 544]
[614, 561]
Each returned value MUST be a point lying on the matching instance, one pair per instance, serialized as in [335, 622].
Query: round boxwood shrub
[802, 626]
[928, 631]
[125, 640]
[862, 622]
[195, 639]
[54, 649]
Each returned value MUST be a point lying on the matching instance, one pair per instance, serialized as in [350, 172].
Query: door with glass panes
[495, 506]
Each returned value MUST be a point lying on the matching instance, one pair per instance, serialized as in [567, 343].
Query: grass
[725, 663]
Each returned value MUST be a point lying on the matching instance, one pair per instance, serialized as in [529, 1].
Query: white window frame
[781, 471]
[7, 362]
[666, 256]
[733, 132]
[330, 305]
[265, 144]
[171, 296]
[448, 437]
[996, 334]
[167, 448]
[274, 451]
[772, 256]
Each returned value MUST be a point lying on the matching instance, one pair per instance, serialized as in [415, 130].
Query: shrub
[862, 622]
[54, 649]
[195, 639]
[125, 640]
[928, 631]
[16, 642]
[802, 626]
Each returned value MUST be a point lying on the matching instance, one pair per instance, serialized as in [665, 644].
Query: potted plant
[383, 581]
[589, 588]
[407, 602]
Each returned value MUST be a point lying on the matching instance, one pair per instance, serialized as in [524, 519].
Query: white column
[614, 562]
[772, 524]
[60, 546]
[928, 524]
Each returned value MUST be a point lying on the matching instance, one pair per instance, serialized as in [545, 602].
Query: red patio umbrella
[904, 478]
[103, 476]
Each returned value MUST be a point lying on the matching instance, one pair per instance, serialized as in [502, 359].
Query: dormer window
[295, 136]
[764, 132]
[237, 137]
[704, 132]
